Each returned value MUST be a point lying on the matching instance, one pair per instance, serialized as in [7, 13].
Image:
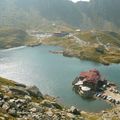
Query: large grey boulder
[6, 106]
[20, 85]
[12, 112]
[34, 91]
[18, 90]
[74, 110]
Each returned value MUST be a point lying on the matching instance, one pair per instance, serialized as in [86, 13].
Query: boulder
[18, 90]
[4, 88]
[12, 112]
[67, 53]
[6, 98]
[36, 106]
[74, 110]
[6, 106]
[49, 113]
[33, 110]
[47, 103]
[56, 105]
[34, 91]
[21, 101]
[12, 103]
[20, 85]
[28, 98]
[70, 115]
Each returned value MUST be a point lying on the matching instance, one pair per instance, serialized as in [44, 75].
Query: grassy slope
[13, 38]
[16, 37]
[87, 116]
[89, 52]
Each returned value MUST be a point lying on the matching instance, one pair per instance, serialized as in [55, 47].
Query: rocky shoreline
[91, 84]
[75, 45]
[21, 102]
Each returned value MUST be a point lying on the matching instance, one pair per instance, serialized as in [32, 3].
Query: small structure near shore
[87, 83]
[91, 84]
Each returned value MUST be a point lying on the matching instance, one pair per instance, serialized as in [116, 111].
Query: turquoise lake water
[53, 73]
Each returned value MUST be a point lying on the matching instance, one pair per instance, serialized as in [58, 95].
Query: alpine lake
[54, 73]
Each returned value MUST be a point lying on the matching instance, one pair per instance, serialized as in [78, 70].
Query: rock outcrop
[33, 105]
[21, 102]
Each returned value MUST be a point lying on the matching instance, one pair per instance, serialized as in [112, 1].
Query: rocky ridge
[21, 102]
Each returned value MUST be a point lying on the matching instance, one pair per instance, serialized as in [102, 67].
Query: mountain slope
[96, 14]
[101, 14]
[15, 38]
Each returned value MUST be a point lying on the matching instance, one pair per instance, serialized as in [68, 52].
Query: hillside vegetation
[99, 46]
[10, 37]
[21, 102]
[27, 14]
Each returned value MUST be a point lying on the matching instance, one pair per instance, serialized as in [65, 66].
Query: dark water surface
[53, 74]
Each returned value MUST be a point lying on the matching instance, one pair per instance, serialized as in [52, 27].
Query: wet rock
[34, 91]
[19, 90]
[6, 106]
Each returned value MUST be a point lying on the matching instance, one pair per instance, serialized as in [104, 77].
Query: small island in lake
[91, 84]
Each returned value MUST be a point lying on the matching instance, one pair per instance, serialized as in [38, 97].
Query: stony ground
[21, 102]
[98, 46]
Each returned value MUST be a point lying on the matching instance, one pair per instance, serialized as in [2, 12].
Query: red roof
[91, 75]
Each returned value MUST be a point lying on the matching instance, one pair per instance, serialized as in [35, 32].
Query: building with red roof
[87, 83]
[91, 76]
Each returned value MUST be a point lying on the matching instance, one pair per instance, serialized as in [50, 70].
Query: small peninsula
[91, 84]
